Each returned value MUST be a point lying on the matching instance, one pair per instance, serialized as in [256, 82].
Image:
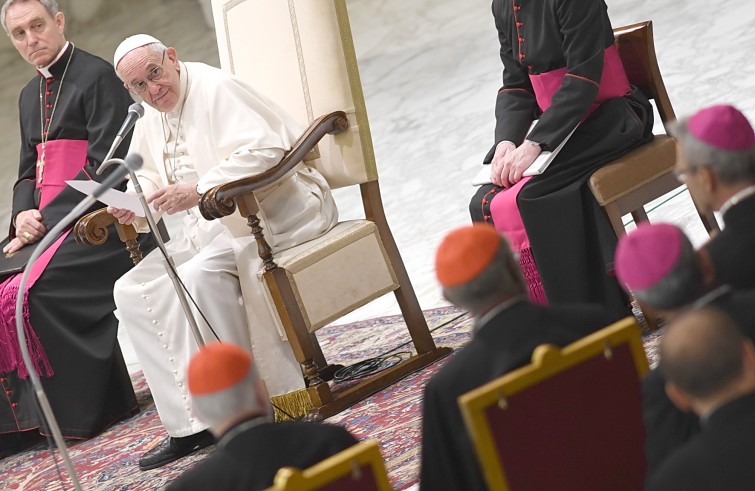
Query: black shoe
[171, 449]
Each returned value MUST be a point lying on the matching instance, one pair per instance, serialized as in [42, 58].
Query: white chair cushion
[336, 273]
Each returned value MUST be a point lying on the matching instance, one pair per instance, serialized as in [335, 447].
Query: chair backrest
[570, 420]
[359, 467]
[637, 51]
[300, 54]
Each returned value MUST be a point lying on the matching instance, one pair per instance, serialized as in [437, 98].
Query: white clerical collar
[487, 316]
[45, 71]
[736, 198]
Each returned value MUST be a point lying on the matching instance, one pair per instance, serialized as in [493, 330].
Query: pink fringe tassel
[10, 351]
[532, 277]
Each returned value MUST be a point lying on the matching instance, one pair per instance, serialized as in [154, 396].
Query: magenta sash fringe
[10, 351]
[508, 221]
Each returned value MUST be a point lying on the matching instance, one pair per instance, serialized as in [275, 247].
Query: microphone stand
[168, 263]
[38, 250]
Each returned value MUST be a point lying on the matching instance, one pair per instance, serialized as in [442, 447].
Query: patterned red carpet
[108, 462]
[392, 416]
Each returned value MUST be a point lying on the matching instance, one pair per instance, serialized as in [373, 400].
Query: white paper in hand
[111, 197]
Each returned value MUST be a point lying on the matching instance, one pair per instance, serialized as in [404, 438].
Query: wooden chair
[646, 173]
[359, 467]
[300, 54]
[571, 420]
[93, 229]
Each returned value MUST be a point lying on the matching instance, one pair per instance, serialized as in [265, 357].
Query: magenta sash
[63, 161]
[508, 222]
[613, 82]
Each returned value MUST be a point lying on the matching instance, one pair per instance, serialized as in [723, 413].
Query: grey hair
[157, 48]
[705, 359]
[220, 407]
[731, 166]
[501, 278]
[681, 286]
[51, 6]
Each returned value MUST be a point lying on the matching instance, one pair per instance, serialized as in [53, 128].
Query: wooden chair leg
[640, 215]
[614, 217]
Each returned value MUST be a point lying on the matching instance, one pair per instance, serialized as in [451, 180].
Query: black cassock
[71, 304]
[571, 240]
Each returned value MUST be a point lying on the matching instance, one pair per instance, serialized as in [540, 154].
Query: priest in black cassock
[477, 271]
[70, 113]
[562, 69]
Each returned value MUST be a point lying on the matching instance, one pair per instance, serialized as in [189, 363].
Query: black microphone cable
[383, 361]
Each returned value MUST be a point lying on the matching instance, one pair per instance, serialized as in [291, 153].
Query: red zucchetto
[465, 252]
[216, 367]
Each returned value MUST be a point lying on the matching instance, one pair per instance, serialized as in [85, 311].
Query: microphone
[135, 111]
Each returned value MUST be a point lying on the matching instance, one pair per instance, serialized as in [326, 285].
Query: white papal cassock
[221, 130]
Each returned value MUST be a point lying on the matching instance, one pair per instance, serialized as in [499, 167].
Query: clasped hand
[29, 229]
[509, 162]
[170, 199]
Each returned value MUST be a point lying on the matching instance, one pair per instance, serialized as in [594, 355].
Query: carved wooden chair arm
[92, 229]
[220, 201]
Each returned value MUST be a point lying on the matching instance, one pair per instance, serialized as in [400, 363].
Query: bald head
[702, 352]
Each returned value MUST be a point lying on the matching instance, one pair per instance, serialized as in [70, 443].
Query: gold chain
[44, 134]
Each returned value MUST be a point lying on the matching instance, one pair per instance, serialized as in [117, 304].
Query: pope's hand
[123, 216]
[175, 198]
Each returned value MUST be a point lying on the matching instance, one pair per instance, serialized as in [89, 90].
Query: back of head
[224, 384]
[701, 352]
[721, 138]
[659, 265]
[476, 268]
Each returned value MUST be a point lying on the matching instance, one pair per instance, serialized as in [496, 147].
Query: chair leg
[405, 296]
[614, 217]
[640, 215]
